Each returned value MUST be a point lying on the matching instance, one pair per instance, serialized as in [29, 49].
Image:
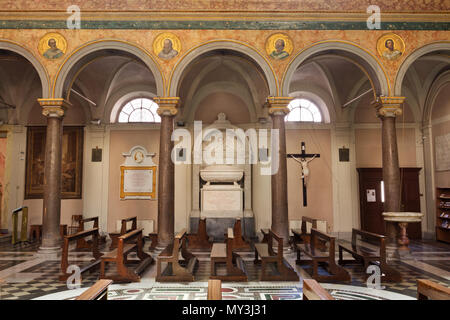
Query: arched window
[139, 110]
[303, 110]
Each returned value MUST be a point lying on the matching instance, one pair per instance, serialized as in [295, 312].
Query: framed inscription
[71, 166]
[137, 182]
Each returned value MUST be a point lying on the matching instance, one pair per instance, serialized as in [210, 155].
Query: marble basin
[221, 173]
[403, 216]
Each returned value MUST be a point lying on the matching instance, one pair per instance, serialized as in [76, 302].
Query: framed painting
[72, 163]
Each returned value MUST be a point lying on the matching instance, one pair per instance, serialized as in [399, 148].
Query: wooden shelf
[442, 234]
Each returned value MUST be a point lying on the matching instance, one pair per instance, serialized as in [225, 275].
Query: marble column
[54, 110]
[387, 109]
[280, 221]
[166, 191]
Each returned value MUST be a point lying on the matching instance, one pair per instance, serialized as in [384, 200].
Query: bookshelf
[443, 214]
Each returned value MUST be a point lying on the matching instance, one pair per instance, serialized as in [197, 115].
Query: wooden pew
[82, 243]
[314, 291]
[214, 290]
[127, 243]
[303, 236]
[174, 272]
[200, 240]
[327, 259]
[365, 255]
[123, 229]
[65, 252]
[99, 291]
[223, 253]
[429, 290]
[154, 241]
[239, 243]
[283, 270]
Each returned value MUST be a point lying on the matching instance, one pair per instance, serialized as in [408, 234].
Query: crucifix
[304, 163]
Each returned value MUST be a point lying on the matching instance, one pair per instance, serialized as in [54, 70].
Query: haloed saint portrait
[52, 46]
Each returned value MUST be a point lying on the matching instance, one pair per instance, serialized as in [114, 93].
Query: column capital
[389, 106]
[167, 105]
[54, 108]
[278, 105]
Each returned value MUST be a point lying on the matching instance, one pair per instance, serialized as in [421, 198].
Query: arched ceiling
[223, 73]
[100, 75]
[20, 86]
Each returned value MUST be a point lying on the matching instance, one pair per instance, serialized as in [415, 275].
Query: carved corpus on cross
[302, 158]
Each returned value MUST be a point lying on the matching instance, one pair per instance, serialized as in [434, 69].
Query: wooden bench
[324, 257]
[363, 253]
[282, 269]
[154, 241]
[200, 240]
[123, 229]
[174, 272]
[214, 290]
[99, 291]
[65, 252]
[86, 244]
[314, 291]
[239, 243]
[223, 253]
[127, 243]
[303, 236]
[429, 290]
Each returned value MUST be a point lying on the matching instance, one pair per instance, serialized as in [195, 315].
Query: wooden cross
[303, 156]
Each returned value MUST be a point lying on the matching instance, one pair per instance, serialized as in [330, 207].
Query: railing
[23, 231]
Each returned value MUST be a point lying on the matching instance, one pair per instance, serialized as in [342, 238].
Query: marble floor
[25, 276]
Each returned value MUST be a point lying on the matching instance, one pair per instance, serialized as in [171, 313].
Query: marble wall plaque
[442, 147]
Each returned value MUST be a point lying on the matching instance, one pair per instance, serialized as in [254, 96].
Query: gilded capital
[389, 106]
[54, 108]
[278, 105]
[167, 105]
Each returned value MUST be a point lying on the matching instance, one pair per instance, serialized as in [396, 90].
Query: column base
[49, 252]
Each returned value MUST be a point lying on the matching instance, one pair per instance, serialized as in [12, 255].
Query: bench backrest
[124, 229]
[86, 220]
[367, 236]
[230, 239]
[316, 235]
[427, 289]
[279, 240]
[312, 290]
[99, 291]
[305, 221]
[214, 290]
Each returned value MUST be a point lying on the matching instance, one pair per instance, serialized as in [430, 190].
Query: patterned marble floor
[24, 276]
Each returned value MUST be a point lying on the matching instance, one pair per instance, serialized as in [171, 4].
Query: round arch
[106, 44]
[412, 57]
[375, 71]
[441, 81]
[233, 45]
[42, 72]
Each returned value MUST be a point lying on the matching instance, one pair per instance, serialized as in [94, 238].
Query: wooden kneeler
[131, 241]
[284, 271]
[223, 253]
[174, 272]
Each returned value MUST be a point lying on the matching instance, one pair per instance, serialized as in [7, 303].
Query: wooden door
[371, 212]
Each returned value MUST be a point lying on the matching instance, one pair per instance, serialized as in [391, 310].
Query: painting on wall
[166, 46]
[279, 46]
[52, 46]
[72, 159]
[390, 46]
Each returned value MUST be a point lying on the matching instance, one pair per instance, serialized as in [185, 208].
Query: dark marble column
[280, 220]
[54, 110]
[387, 110]
[166, 189]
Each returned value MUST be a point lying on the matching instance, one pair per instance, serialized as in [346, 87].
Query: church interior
[224, 150]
